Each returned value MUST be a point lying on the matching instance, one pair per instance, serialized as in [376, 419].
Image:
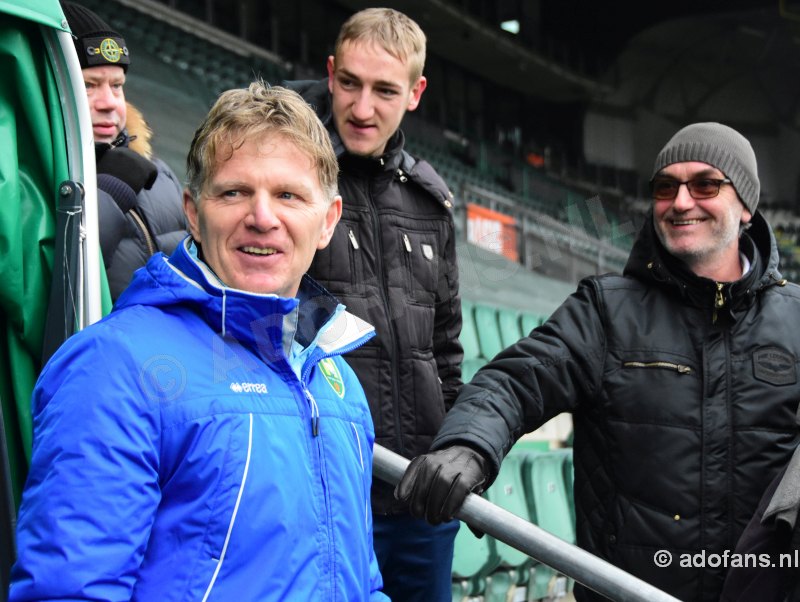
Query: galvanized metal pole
[587, 569]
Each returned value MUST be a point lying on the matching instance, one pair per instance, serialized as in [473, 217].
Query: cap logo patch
[110, 50]
[104, 50]
[332, 375]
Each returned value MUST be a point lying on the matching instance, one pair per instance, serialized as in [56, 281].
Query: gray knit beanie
[721, 147]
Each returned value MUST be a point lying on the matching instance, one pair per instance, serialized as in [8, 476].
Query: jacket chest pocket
[660, 388]
[420, 263]
[340, 266]
[356, 257]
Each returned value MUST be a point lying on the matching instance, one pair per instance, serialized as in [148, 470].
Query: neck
[724, 268]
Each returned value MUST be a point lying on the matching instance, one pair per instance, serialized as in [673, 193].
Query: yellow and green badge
[332, 375]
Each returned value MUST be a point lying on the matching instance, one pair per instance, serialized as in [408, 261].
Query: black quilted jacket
[683, 411]
[392, 262]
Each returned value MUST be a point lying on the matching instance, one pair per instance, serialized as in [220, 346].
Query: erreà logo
[249, 388]
[332, 375]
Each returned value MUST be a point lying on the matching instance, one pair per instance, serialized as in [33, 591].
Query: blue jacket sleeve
[92, 491]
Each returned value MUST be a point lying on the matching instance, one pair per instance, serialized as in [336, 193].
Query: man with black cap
[681, 376]
[140, 196]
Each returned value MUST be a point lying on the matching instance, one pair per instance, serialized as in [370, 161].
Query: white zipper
[235, 512]
[361, 457]
[314, 411]
[353, 240]
[358, 440]
[407, 243]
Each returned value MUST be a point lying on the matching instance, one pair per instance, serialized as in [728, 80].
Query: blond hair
[242, 114]
[396, 33]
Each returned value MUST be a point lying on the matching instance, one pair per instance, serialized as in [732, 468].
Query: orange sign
[493, 231]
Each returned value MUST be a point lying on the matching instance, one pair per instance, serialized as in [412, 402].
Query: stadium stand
[181, 64]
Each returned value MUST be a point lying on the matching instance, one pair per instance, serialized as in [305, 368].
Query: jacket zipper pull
[407, 243]
[353, 240]
[314, 411]
[719, 301]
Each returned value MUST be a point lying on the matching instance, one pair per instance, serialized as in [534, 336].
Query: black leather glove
[436, 484]
[126, 165]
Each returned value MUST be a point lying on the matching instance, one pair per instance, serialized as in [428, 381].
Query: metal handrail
[587, 569]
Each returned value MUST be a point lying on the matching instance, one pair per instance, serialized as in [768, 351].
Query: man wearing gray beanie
[681, 375]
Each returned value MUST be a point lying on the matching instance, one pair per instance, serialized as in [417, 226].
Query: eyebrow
[384, 83]
[99, 79]
[298, 189]
[710, 172]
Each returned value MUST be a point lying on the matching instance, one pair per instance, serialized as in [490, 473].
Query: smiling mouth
[259, 250]
[687, 222]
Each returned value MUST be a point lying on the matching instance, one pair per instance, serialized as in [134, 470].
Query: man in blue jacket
[206, 441]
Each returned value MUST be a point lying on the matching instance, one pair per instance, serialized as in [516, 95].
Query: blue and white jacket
[179, 456]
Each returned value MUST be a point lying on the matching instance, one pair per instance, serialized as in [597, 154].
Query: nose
[683, 200]
[262, 216]
[104, 98]
[362, 106]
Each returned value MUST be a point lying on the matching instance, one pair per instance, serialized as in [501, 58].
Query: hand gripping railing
[587, 569]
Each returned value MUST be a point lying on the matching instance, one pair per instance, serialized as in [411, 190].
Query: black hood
[650, 262]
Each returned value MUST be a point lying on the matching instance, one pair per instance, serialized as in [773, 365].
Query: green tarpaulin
[32, 164]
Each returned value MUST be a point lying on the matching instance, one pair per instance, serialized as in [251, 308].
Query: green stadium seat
[569, 480]
[551, 507]
[508, 492]
[510, 330]
[548, 497]
[470, 367]
[499, 586]
[529, 321]
[488, 330]
[469, 335]
[473, 560]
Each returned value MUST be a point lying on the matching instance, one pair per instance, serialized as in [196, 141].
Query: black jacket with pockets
[392, 262]
[683, 411]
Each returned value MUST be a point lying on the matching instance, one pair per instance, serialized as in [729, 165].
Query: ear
[746, 216]
[331, 219]
[416, 92]
[190, 209]
[331, 71]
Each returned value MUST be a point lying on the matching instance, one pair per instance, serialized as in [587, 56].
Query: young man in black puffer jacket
[392, 262]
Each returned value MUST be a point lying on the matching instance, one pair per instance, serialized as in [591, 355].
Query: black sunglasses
[666, 189]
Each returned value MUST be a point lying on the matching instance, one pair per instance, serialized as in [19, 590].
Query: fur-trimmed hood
[139, 133]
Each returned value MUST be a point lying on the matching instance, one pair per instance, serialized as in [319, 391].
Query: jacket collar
[650, 262]
[266, 324]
